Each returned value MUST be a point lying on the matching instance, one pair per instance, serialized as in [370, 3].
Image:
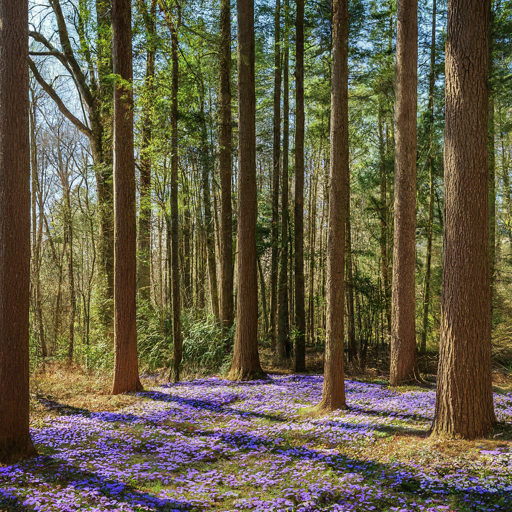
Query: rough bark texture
[126, 372]
[334, 386]
[15, 442]
[276, 157]
[300, 313]
[464, 402]
[246, 362]
[403, 323]
[226, 213]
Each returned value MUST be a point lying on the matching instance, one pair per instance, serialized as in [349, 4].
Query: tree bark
[403, 323]
[246, 362]
[176, 297]
[334, 386]
[300, 313]
[126, 372]
[464, 401]
[225, 143]
[15, 442]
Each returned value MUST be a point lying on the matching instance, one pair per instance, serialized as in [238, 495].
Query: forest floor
[211, 444]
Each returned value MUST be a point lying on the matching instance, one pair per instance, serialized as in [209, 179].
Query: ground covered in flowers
[213, 444]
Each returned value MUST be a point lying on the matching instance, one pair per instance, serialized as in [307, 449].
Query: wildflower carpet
[212, 444]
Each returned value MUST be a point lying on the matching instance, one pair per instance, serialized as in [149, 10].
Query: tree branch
[70, 57]
[55, 97]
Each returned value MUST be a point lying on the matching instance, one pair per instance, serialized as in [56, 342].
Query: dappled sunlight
[222, 445]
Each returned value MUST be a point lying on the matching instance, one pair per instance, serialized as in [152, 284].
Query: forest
[256, 255]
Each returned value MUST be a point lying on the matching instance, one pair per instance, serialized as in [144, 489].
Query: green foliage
[206, 346]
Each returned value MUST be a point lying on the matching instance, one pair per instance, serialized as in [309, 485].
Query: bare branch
[55, 97]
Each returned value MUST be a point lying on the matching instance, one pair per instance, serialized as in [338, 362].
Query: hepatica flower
[212, 444]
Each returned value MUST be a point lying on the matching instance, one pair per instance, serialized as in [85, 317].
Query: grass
[213, 445]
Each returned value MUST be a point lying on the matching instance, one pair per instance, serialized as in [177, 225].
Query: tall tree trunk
[208, 218]
[334, 385]
[283, 339]
[464, 402]
[15, 442]
[246, 361]
[144, 245]
[126, 372]
[430, 164]
[176, 298]
[403, 324]
[276, 157]
[300, 313]
[225, 142]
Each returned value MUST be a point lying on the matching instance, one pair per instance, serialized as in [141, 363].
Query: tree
[430, 164]
[126, 372]
[464, 402]
[226, 213]
[276, 160]
[15, 442]
[403, 324]
[246, 362]
[334, 386]
[283, 335]
[283, 320]
[144, 247]
[300, 314]
[174, 263]
[95, 92]
[208, 218]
